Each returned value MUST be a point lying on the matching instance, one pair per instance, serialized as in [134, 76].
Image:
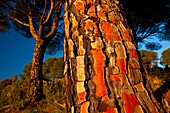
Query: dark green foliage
[53, 68]
[148, 57]
[14, 92]
[4, 24]
[153, 46]
[165, 86]
[3, 95]
[56, 44]
[27, 68]
[148, 18]
[15, 97]
[159, 81]
[167, 31]
[158, 78]
[166, 57]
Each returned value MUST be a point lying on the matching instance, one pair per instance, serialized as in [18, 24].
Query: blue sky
[16, 51]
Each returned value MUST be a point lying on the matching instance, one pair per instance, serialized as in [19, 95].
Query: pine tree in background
[165, 58]
[38, 19]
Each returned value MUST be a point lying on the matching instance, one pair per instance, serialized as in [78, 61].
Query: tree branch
[23, 10]
[15, 19]
[5, 107]
[32, 29]
[42, 16]
[18, 7]
[59, 26]
[34, 5]
[55, 22]
[12, 8]
[54, 26]
[56, 103]
[28, 5]
[7, 5]
[49, 14]
[41, 19]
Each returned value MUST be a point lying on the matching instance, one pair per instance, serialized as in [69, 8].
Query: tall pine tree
[38, 19]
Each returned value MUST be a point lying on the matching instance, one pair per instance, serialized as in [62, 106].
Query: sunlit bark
[36, 71]
[102, 68]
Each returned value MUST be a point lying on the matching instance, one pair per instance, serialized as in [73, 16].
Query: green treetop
[166, 57]
[148, 58]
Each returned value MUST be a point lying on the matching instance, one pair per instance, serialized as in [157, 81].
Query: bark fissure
[68, 79]
[127, 67]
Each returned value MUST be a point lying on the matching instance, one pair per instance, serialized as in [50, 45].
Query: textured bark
[36, 71]
[102, 67]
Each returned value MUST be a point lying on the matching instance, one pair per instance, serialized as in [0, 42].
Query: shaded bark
[36, 71]
[102, 68]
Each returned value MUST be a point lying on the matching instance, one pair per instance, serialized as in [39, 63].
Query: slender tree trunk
[36, 71]
[102, 68]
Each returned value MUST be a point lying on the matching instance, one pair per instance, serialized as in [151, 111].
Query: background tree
[15, 92]
[166, 57]
[158, 78]
[149, 58]
[163, 92]
[102, 67]
[40, 20]
[147, 19]
[53, 68]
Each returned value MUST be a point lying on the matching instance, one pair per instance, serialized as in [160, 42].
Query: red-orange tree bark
[102, 67]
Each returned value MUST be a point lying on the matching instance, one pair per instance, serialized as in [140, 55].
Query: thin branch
[45, 7]
[42, 17]
[7, 5]
[60, 26]
[24, 10]
[5, 107]
[56, 103]
[12, 8]
[34, 5]
[18, 7]
[54, 26]
[146, 32]
[49, 14]
[28, 5]
[23, 1]
[150, 29]
[55, 23]
[15, 19]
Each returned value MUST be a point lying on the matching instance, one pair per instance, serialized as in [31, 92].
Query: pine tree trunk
[36, 71]
[102, 68]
